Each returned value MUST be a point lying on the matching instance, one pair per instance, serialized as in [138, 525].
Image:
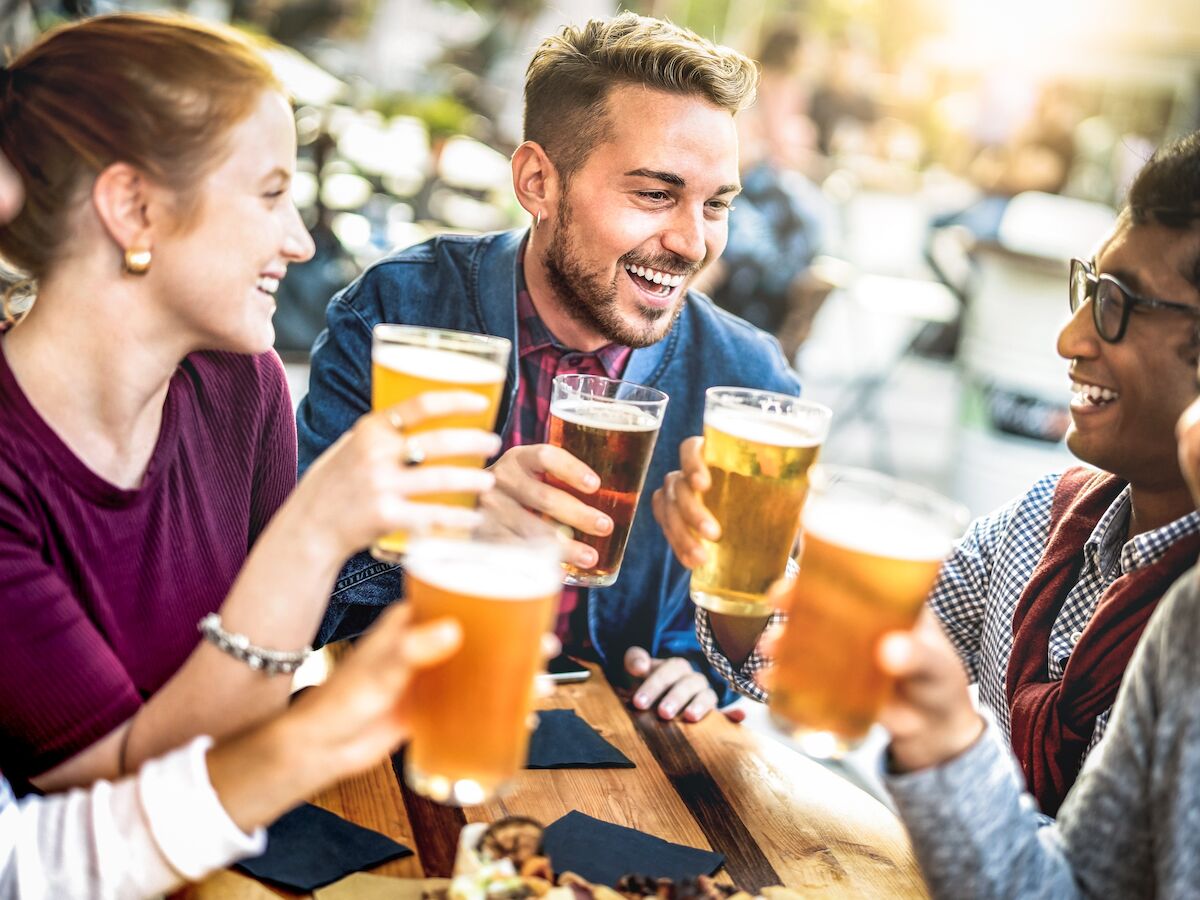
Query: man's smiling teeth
[1093, 394]
[267, 284]
[655, 276]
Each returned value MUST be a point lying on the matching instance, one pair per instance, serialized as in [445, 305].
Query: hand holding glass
[611, 426]
[407, 361]
[471, 713]
[872, 549]
[758, 447]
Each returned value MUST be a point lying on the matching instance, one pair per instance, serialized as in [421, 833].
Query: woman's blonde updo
[160, 93]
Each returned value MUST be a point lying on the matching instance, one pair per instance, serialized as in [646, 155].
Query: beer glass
[408, 360]
[612, 426]
[872, 549]
[758, 446]
[471, 714]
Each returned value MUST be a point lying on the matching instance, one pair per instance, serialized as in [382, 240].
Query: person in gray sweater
[1130, 825]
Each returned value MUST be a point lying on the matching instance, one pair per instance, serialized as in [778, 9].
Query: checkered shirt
[541, 357]
[980, 584]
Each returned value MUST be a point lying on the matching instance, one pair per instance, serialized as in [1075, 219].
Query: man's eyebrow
[1129, 278]
[676, 181]
[667, 177]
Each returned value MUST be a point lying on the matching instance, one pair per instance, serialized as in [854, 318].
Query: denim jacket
[469, 284]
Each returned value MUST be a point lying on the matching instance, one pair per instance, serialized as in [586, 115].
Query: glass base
[576, 578]
[815, 742]
[731, 604]
[440, 789]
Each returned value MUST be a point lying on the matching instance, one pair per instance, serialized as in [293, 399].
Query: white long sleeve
[134, 838]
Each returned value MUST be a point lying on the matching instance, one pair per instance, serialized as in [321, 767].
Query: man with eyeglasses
[1045, 599]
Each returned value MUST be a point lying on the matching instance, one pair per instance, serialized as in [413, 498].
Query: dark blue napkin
[602, 852]
[310, 847]
[562, 740]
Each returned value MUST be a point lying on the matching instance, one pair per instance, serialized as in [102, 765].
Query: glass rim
[515, 571]
[823, 475]
[439, 338]
[544, 550]
[656, 398]
[801, 405]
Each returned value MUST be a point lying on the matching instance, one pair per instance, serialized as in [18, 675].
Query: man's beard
[592, 302]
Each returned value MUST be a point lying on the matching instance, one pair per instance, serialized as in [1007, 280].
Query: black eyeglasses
[1112, 302]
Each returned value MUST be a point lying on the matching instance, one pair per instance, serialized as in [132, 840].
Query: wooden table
[778, 817]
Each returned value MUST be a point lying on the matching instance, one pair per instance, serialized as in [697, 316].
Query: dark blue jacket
[470, 284]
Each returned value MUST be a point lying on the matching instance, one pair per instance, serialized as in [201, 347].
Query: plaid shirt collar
[1108, 549]
[533, 337]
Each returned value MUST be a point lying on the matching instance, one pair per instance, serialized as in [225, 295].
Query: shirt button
[1075, 636]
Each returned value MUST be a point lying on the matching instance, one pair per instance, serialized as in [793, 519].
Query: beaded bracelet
[271, 662]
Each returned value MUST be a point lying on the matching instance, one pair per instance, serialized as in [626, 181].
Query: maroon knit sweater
[101, 588]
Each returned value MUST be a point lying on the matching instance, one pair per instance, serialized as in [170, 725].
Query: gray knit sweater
[1130, 827]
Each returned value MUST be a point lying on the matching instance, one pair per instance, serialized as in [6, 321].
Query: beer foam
[491, 571]
[608, 415]
[760, 427]
[877, 529]
[438, 365]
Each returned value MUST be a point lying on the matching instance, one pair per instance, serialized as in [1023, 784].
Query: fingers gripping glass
[1112, 301]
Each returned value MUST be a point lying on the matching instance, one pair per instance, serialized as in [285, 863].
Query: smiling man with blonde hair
[628, 171]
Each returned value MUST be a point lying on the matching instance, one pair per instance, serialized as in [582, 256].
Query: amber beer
[758, 446]
[611, 426]
[872, 549]
[409, 360]
[471, 714]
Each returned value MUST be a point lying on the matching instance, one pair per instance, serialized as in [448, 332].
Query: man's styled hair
[571, 74]
[1167, 190]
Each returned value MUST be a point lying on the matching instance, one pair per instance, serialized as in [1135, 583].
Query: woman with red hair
[147, 443]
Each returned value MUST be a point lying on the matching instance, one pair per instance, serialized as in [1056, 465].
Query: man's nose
[685, 235]
[1078, 336]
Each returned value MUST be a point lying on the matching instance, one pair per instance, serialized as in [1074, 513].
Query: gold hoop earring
[137, 262]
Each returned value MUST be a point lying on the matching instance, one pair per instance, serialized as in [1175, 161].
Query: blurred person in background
[625, 214]
[1039, 155]
[1128, 825]
[776, 130]
[781, 220]
[1036, 154]
[842, 106]
[147, 430]
[1045, 598]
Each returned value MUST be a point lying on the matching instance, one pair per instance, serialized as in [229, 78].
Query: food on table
[505, 861]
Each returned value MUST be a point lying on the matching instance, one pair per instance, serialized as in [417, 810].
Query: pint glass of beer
[612, 426]
[872, 549]
[407, 360]
[471, 714]
[758, 446]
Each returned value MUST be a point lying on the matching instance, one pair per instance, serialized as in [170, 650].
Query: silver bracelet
[271, 662]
